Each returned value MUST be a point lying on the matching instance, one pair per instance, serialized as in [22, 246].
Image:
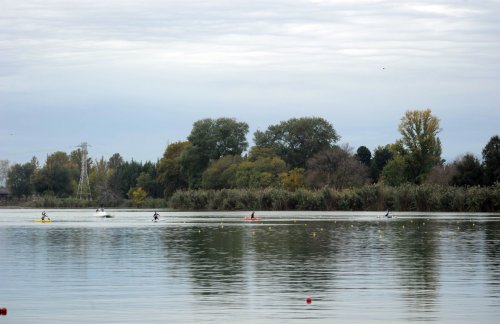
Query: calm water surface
[216, 268]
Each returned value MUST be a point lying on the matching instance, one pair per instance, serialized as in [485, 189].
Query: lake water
[213, 267]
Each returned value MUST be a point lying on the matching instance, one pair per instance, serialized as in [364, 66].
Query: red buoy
[3, 311]
[308, 299]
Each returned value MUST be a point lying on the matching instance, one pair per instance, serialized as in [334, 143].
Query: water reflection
[492, 252]
[413, 269]
[392, 262]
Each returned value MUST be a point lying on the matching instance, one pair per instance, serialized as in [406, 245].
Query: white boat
[101, 213]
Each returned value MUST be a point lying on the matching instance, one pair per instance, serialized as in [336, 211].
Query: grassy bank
[408, 197]
[425, 198]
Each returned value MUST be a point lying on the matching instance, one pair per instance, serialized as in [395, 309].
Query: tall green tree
[115, 161]
[419, 144]
[99, 175]
[148, 180]
[19, 179]
[216, 138]
[364, 155]
[298, 139]
[125, 177]
[193, 163]
[59, 175]
[211, 139]
[491, 160]
[170, 176]
[381, 156]
[468, 171]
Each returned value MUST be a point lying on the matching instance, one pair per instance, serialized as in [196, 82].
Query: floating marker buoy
[3, 311]
[308, 299]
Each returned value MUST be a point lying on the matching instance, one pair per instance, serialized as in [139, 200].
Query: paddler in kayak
[44, 216]
[253, 215]
[156, 217]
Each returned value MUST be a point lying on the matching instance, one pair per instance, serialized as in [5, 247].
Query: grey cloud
[326, 54]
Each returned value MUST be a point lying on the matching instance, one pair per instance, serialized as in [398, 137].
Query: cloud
[296, 34]
[262, 60]
[445, 10]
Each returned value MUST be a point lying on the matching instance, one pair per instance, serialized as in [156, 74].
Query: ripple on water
[213, 267]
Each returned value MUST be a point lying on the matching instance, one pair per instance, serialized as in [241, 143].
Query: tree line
[299, 154]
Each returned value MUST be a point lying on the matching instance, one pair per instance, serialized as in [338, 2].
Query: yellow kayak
[43, 220]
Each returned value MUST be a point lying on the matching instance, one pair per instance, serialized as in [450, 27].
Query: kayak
[251, 219]
[43, 220]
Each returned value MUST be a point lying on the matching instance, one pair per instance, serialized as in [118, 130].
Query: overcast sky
[130, 77]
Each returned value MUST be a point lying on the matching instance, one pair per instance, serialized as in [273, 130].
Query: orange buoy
[308, 299]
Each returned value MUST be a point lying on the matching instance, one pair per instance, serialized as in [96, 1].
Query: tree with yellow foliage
[419, 146]
[138, 196]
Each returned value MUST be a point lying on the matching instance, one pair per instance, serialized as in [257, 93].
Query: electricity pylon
[83, 191]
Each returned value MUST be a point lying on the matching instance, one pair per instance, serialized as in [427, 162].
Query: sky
[130, 77]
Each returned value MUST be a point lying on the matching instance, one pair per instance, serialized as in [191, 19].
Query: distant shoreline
[375, 197]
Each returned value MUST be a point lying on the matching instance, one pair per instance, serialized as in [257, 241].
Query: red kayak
[251, 219]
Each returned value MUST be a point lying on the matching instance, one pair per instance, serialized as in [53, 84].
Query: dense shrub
[155, 203]
[370, 197]
[406, 197]
[309, 199]
[479, 199]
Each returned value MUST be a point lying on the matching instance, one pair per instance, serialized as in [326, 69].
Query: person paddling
[253, 215]
[44, 216]
[156, 217]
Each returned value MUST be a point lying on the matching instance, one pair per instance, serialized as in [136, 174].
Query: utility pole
[83, 191]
